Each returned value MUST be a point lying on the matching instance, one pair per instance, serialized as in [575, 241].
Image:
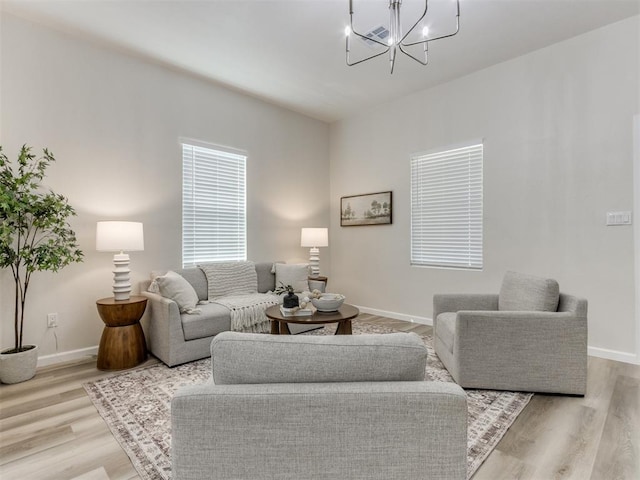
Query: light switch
[618, 218]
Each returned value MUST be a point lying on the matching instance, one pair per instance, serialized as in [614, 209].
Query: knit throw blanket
[230, 278]
[247, 311]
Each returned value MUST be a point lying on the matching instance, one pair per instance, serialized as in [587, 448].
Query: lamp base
[314, 261]
[121, 281]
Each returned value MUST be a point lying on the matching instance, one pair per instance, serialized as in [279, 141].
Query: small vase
[290, 301]
[18, 367]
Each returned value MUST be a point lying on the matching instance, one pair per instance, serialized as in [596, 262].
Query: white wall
[113, 123]
[556, 126]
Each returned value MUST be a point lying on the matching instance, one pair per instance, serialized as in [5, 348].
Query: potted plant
[290, 300]
[34, 236]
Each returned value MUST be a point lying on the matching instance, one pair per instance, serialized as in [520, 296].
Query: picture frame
[366, 209]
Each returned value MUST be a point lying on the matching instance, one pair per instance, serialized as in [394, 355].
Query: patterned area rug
[136, 405]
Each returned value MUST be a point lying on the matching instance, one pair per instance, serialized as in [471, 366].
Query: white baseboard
[614, 355]
[62, 357]
[396, 316]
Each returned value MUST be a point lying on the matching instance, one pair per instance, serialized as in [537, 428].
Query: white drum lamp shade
[120, 237]
[314, 238]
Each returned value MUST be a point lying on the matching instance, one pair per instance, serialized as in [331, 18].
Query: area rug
[136, 405]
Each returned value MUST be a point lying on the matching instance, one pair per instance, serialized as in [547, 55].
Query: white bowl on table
[328, 302]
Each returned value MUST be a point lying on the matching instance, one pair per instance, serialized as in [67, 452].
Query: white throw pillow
[294, 274]
[173, 285]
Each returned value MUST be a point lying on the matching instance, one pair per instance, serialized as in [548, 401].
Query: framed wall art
[366, 209]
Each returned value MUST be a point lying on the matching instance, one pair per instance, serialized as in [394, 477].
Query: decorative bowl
[328, 302]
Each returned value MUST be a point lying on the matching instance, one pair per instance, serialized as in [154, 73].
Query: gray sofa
[316, 408]
[529, 337]
[177, 338]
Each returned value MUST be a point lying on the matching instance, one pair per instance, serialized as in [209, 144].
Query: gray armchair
[316, 408]
[529, 337]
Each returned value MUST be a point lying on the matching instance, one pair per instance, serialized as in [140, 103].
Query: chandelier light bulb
[347, 31]
[425, 32]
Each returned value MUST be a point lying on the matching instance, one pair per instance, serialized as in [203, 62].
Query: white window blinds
[213, 205]
[446, 208]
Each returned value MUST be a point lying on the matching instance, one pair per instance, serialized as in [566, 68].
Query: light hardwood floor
[50, 430]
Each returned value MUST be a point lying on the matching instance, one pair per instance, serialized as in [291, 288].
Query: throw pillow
[520, 291]
[230, 278]
[173, 286]
[294, 274]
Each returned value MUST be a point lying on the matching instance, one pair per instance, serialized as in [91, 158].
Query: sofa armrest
[315, 431]
[163, 308]
[545, 348]
[165, 324]
[570, 303]
[520, 324]
[454, 302]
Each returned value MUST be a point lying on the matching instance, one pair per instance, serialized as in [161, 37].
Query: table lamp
[120, 237]
[314, 238]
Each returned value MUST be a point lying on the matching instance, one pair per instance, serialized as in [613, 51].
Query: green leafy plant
[283, 288]
[34, 232]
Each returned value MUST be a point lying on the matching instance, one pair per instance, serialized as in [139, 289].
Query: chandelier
[395, 39]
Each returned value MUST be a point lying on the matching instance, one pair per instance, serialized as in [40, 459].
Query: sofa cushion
[245, 358]
[230, 278]
[173, 286]
[294, 274]
[266, 277]
[446, 328]
[520, 291]
[198, 281]
[212, 319]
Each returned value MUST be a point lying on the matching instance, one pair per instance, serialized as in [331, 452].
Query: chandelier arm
[365, 59]
[364, 37]
[421, 62]
[424, 14]
[436, 38]
[392, 59]
[441, 36]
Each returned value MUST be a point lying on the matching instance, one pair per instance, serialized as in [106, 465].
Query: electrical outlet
[52, 320]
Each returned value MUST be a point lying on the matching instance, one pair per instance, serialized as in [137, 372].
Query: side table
[320, 278]
[122, 344]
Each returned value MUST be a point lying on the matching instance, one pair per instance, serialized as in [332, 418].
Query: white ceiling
[291, 52]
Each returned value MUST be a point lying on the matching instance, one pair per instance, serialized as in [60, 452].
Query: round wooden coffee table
[343, 316]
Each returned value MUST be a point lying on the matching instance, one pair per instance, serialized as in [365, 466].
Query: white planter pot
[18, 367]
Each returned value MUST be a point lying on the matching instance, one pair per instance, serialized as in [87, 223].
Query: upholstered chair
[529, 337]
[317, 408]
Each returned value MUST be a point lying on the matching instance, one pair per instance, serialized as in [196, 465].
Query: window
[446, 208]
[213, 205]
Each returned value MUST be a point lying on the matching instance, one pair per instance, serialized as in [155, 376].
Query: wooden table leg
[284, 328]
[275, 327]
[344, 328]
